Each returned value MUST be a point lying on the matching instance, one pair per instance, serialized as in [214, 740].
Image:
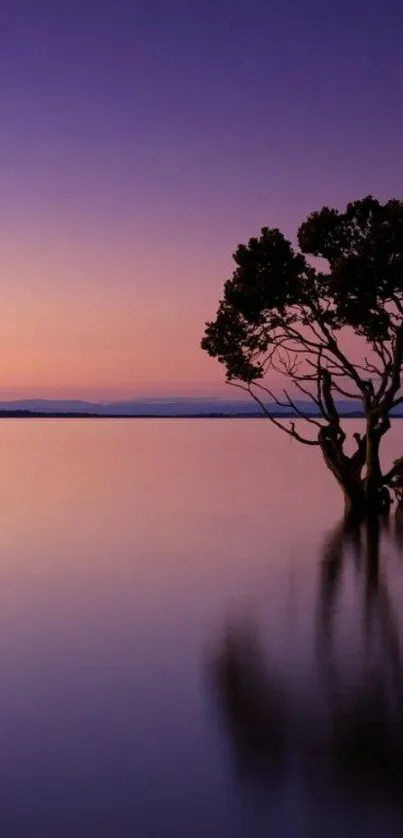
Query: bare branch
[382, 350]
[300, 412]
[370, 367]
[334, 348]
[395, 373]
[290, 431]
[289, 403]
[345, 393]
[316, 401]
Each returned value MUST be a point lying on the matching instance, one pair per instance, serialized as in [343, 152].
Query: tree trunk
[363, 496]
[373, 475]
[355, 506]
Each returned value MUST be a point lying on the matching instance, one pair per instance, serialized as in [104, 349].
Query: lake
[190, 643]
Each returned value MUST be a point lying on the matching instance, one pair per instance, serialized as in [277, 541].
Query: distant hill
[215, 407]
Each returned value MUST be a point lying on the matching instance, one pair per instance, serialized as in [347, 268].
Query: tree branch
[290, 431]
[397, 367]
[395, 471]
[345, 392]
[316, 401]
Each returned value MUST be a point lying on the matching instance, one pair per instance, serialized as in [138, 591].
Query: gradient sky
[140, 141]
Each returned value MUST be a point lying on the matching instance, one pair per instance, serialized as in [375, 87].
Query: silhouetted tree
[279, 312]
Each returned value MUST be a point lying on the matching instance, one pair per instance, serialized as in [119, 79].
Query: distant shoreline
[32, 414]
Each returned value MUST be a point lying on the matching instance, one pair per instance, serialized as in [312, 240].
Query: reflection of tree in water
[366, 737]
[349, 734]
[253, 705]
[399, 528]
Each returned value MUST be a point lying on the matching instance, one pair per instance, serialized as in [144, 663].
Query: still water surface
[190, 644]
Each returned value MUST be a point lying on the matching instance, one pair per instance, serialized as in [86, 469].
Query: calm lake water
[190, 644]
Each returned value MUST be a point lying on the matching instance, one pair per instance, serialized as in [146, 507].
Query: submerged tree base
[361, 508]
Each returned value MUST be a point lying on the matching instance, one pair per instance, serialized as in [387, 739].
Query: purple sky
[140, 141]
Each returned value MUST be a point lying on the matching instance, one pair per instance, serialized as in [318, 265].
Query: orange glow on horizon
[92, 321]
